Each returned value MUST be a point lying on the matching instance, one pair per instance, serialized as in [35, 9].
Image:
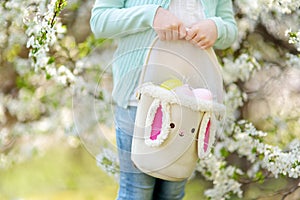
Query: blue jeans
[134, 184]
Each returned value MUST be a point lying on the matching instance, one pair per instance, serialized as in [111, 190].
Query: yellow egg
[171, 83]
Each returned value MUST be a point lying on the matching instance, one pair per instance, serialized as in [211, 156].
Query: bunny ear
[157, 123]
[206, 135]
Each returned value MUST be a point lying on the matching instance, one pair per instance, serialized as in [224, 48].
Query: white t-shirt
[189, 12]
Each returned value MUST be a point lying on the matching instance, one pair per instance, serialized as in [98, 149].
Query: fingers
[190, 34]
[194, 35]
[161, 34]
[203, 44]
[173, 32]
[167, 26]
[182, 31]
[203, 34]
[197, 38]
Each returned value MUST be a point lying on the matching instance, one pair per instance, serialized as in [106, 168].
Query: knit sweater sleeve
[110, 18]
[226, 25]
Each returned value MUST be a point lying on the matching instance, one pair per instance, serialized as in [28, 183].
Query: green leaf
[259, 176]
[224, 152]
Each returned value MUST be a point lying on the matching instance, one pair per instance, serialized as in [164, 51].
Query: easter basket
[179, 109]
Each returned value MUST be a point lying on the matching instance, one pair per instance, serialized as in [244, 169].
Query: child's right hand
[168, 26]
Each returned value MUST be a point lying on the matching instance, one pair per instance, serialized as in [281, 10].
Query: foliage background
[56, 129]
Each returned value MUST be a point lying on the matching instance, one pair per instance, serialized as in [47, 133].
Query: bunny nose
[181, 133]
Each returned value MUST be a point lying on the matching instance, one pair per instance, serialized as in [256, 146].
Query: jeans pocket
[125, 118]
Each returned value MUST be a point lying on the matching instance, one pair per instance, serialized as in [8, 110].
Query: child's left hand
[203, 34]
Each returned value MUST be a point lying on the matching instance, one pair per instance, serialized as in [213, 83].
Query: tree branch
[291, 191]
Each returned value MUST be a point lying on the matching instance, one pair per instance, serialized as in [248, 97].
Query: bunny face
[169, 134]
[168, 123]
[184, 124]
[189, 126]
[182, 132]
[168, 139]
[165, 117]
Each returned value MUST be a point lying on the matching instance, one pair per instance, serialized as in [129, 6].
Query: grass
[61, 174]
[65, 174]
[71, 174]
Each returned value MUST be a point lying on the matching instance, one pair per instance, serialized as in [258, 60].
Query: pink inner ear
[157, 124]
[206, 137]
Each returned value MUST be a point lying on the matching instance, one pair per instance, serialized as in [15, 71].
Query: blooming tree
[58, 82]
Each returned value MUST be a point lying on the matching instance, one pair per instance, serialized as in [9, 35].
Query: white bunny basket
[179, 109]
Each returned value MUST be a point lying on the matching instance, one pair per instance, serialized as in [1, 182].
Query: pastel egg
[202, 93]
[184, 90]
[171, 84]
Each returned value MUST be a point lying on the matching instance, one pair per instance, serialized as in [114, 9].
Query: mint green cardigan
[130, 23]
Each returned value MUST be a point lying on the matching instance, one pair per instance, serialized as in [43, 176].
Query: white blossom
[108, 161]
[215, 169]
[240, 69]
[294, 38]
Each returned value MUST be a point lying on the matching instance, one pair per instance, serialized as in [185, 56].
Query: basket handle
[210, 51]
[142, 76]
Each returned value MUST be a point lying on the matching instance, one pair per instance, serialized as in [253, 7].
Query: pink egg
[201, 93]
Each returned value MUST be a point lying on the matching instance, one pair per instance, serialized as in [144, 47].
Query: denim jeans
[134, 184]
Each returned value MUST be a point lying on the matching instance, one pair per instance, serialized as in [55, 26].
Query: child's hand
[203, 34]
[167, 26]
